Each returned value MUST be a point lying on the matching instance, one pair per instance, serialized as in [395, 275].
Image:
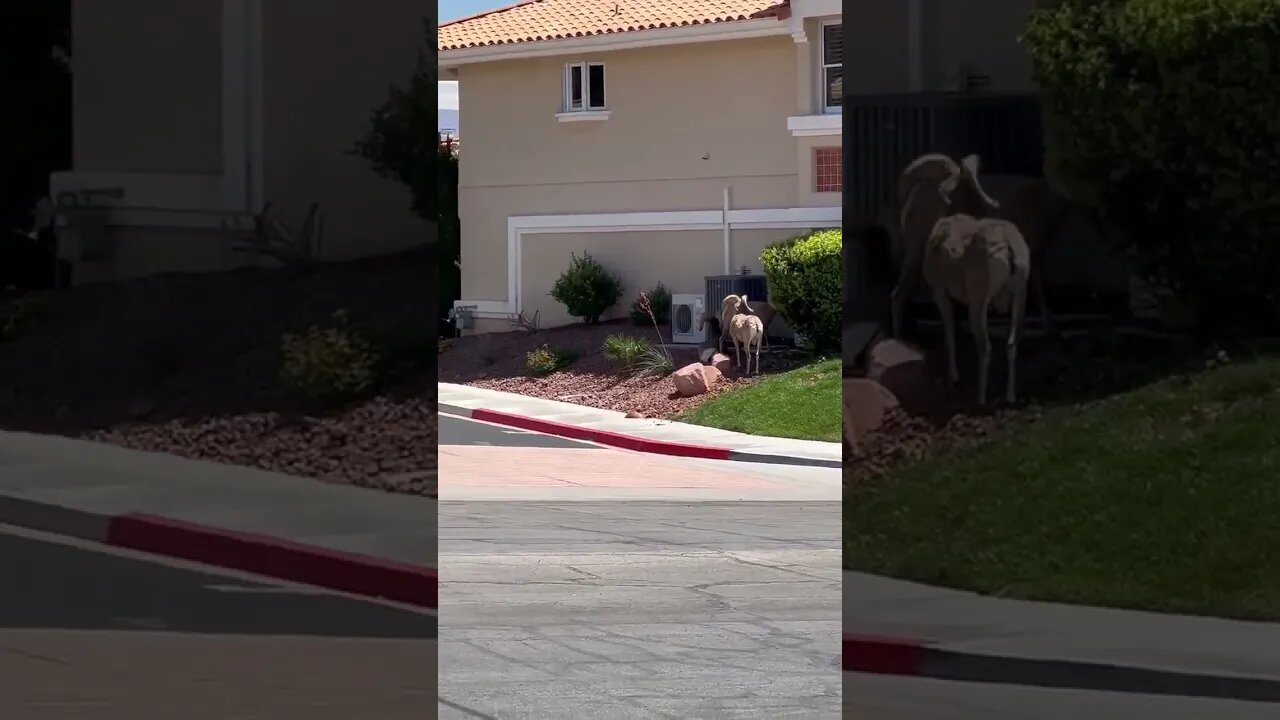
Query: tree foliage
[1165, 117]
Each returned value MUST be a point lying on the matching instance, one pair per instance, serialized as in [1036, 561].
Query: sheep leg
[758, 340]
[901, 292]
[982, 340]
[943, 301]
[737, 354]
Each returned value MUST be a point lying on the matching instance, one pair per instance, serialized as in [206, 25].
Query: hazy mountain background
[447, 119]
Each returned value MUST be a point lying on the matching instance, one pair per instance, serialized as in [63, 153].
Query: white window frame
[587, 106]
[823, 67]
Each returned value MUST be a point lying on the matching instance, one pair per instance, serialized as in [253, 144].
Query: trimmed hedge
[1165, 117]
[806, 285]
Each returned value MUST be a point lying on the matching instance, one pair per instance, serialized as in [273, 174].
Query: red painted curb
[272, 557]
[604, 437]
[885, 656]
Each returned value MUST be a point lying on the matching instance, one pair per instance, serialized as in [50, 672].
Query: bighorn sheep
[746, 329]
[1035, 205]
[1040, 212]
[732, 305]
[981, 263]
[931, 187]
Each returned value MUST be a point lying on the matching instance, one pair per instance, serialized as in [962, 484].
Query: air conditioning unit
[755, 287]
[686, 319]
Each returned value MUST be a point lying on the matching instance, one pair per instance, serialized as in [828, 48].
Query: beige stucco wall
[985, 34]
[687, 122]
[678, 260]
[143, 251]
[147, 92]
[326, 65]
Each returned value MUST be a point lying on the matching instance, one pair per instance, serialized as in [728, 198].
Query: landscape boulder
[904, 372]
[866, 402]
[692, 379]
[721, 362]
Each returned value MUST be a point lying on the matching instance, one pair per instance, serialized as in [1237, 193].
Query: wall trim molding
[521, 226]
[816, 125]
[161, 199]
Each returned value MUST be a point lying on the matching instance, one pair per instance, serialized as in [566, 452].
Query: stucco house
[191, 116]
[670, 139]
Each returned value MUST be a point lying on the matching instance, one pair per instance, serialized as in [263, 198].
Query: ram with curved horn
[932, 187]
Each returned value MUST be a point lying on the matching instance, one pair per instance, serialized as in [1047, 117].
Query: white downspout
[727, 241]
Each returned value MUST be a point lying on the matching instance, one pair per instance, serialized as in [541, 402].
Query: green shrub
[624, 350]
[587, 290]
[806, 280]
[544, 360]
[659, 304]
[328, 365]
[19, 312]
[1162, 116]
[400, 144]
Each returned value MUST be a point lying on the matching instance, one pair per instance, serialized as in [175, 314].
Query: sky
[452, 10]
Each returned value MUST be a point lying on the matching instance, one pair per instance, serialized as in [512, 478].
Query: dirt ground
[497, 361]
[188, 364]
[1085, 363]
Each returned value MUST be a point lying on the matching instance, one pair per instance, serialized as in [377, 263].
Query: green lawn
[803, 403]
[1166, 498]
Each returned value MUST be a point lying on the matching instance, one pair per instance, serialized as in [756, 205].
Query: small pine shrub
[586, 289]
[659, 303]
[544, 360]
[328, 365]
[19, 312]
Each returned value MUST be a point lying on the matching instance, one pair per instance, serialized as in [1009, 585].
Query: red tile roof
[534, 20]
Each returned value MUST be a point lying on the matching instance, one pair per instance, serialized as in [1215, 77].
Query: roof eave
[703, 32]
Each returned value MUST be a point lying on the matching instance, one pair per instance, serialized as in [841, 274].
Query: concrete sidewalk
[343, 538]
[608, 427]
[904, 628]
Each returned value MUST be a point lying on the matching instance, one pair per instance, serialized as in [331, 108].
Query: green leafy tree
[1164, 116]
[401, 143]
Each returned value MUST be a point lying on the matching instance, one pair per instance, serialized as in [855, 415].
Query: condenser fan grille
[684, 319]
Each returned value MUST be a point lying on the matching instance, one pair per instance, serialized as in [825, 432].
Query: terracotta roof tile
[534, 20]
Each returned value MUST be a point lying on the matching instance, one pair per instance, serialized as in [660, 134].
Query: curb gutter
[246, 552]
[897, 656]
[629, 442]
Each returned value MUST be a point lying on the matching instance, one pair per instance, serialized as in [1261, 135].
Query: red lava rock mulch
[497, 361]
[188, 364]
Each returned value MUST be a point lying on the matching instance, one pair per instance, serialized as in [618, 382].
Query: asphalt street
[90, 632]
[456, 430]
[876, 697]
[591, 608]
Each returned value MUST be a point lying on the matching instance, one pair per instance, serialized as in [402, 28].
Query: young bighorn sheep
[732, 305]
[982, 263]
[923, 201]
[746, 329]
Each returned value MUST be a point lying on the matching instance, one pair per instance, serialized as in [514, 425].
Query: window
[832, 73]
[584, 87]
[827, 168]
